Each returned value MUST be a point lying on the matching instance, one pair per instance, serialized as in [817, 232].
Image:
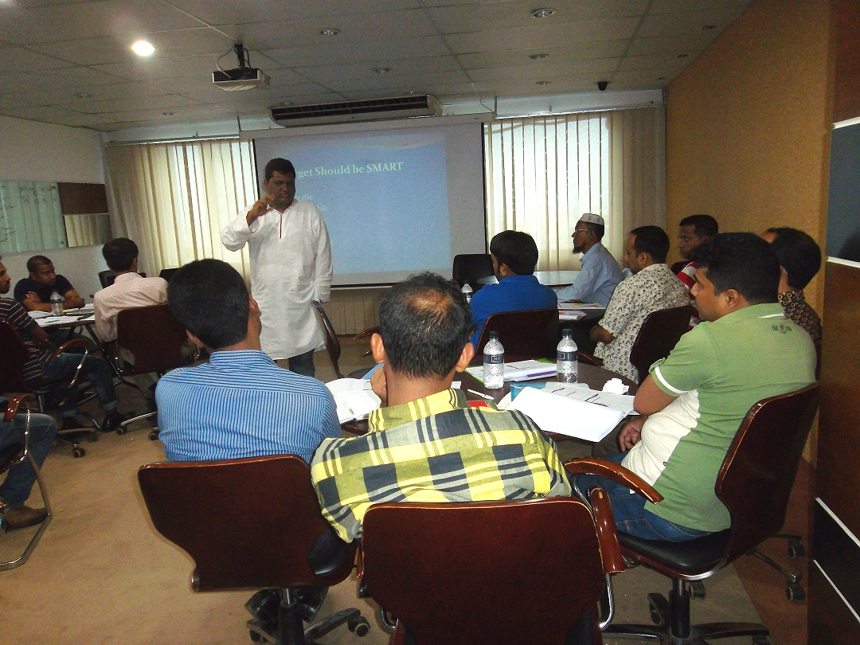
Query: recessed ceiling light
[661, 78]
[538, 56]
[708, 27]
[682, 56]
[543, 12]
[543, 82]
[329, 31]
[83, 95]
[381, 70]
[143, 48]
[168, 114]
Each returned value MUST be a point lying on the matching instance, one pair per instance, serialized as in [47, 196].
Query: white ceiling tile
[570, 54]
[19, 59]
[358, 71]
[244, 11]
[675, 44]
[688, 22]
[346, 52]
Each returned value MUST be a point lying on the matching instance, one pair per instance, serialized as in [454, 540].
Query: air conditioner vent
[368, 110]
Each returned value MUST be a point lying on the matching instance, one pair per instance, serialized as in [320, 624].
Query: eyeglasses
[580, 230]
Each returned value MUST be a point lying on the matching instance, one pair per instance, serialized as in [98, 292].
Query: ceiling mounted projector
[240, 78]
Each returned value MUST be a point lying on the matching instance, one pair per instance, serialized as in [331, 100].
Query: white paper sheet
[567, 416]
[354, 398]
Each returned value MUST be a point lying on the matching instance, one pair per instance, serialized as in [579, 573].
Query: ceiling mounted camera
[602, 85]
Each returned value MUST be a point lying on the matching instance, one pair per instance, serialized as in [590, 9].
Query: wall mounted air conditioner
[348, 111]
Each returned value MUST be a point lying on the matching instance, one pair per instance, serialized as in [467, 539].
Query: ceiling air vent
[373, 110]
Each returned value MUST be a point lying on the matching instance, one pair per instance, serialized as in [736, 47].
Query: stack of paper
[567, 416]
[354, 398]
[519, 371]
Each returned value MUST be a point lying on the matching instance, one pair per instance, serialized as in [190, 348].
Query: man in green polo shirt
[693, 401]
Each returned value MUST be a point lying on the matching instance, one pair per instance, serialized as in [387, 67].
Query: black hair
[797, 253]
[209, 298]
[743, 262]
[424, 323]
[119, 253]
[35, 261]
[516, 249]
[280, 165]
[651, 240]
[703, 225]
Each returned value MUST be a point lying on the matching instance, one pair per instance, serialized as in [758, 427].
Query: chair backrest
[106, 278]
[484, 572]
[524, 334]
[659, 334]
[758, 471]
[332, 344]
[469, 267]
[153, 337]
[13, 355]
[247, 523]
[166, 274]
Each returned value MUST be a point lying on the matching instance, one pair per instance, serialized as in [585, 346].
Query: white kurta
[290, 267]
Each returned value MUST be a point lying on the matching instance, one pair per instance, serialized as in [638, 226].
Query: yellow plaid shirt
[435, 449]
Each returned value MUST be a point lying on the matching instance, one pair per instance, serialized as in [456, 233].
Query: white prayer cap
[592, 218]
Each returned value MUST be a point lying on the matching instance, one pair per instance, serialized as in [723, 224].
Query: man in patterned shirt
[693, 231]
[429, 445]
[651, 287]
[800, 258]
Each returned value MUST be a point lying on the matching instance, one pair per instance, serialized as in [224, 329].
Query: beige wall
[748, 122]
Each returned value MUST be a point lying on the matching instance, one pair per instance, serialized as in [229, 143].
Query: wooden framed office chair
[106, 278]
[12, 456]
[249, 524]
[14, 355]
[658, 335]
[754, 483]
[332, 343]
[491, 572]
[166, 274]
[524, 334]
[470, 267]
[149, 339]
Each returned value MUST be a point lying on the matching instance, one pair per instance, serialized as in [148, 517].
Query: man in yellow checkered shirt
[428, 445]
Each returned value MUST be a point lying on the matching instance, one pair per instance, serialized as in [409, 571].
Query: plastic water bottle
[494, 363]
[467, 292]
[56, 304]
[565, 361]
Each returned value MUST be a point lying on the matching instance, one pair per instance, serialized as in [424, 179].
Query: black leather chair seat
[694, 556]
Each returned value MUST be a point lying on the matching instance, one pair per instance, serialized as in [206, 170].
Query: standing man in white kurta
[290, 266]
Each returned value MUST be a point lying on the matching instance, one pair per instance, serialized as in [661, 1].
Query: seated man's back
[514, 255]
[429, 445]
[240, 404]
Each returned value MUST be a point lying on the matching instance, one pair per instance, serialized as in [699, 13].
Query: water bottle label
[494, 359]
[565, 356]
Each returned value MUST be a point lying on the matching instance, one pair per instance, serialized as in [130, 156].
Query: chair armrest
[589, 359]
[607, 537]
[366, 333]
[75, 342]
[615, 472]
[12, 405]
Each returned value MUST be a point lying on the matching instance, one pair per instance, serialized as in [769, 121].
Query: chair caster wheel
[658, 607]
[795, 592]
[255, 636]
[153, 435]
[78, 452]
[359, 626]
[121, 429]
[697, 589]
[796, 549]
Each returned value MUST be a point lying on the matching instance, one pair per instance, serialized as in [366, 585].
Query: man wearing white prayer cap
[600, 272]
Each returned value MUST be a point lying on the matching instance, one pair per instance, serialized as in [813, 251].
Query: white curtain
[30, 216]
[172, 199]
[542, 173]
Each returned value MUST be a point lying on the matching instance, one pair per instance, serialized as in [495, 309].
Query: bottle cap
[566, 332]
[494, 335]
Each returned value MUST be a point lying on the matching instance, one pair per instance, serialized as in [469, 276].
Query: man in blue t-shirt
[34, 292]
[514, 256]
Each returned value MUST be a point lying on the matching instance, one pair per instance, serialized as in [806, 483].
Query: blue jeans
[631, 515]
[16, 489]
[95, 370]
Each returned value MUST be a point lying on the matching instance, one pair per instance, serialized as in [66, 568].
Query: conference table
[593, 376]
[557, 278]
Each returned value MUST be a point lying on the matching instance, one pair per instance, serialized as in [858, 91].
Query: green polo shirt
[717, 371]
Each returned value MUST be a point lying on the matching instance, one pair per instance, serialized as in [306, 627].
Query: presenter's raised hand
[260, 206]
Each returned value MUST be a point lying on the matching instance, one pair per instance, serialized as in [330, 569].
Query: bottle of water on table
[56, 304]
[565, 362]
[467, 292]
[494, 363]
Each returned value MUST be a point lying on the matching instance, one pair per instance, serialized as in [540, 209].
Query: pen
[481, 394]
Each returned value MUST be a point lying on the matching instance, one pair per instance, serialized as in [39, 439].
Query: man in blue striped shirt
[239, 404]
